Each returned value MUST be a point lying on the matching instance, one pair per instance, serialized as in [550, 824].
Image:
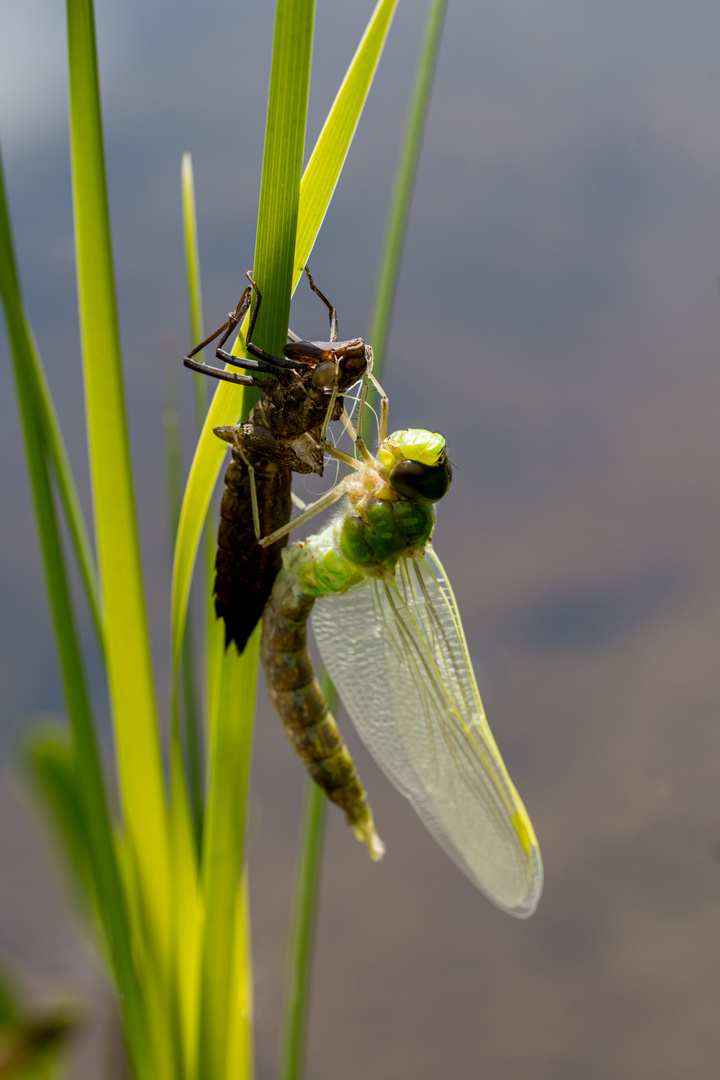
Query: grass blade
[239, 1059]
[125, 625]
[224, 978]
[222, 854]
[327, 159]
[85, 758]
[399, 212]
[187, 912]
[192, 271]
[282, 169]
[297, 1002]
[50, 764]
[185, 714]
[31, 380]
[211, 631]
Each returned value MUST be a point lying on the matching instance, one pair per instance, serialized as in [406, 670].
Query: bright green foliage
[127, 645]
[166, 887]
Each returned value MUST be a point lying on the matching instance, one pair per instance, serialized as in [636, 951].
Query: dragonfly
[285, 432]
[389, 632]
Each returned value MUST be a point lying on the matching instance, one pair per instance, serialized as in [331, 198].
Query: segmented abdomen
[301, 705]
[245, 571]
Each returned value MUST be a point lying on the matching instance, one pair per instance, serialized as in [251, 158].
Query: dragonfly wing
[396, 651]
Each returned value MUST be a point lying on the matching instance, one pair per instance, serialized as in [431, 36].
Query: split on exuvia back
[383, 612]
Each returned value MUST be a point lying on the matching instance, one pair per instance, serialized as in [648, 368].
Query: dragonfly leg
[359, 443]
[328, 305]
[230, 434]
[308, 513]
[221, 373]
[384, 410]
[253, 494]
[384, 404]
[340, 455]
[268, 358]
[331, 404]
[266, 362]
[234, 319]
[355, 432]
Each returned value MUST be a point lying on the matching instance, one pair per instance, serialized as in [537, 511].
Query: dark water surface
[558, 319]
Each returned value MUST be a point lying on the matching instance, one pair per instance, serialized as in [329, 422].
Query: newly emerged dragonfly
[284, 433]
[389, 632]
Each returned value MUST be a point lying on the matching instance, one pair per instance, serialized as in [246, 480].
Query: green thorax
[376, 527]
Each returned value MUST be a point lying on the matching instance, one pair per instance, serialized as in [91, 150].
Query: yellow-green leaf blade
[223, 853]
[327, 159]
[125, 623]
[107, 883]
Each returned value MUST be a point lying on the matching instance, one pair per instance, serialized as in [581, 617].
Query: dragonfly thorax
[375, 538]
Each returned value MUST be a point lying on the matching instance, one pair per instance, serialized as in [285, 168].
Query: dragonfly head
[417, 465]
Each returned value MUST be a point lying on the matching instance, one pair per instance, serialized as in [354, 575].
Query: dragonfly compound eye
[324, 375]
[421, 483]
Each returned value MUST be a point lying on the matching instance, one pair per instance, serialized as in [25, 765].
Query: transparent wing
[396, 651]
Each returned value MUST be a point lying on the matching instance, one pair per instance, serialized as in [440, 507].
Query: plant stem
[297, 1001]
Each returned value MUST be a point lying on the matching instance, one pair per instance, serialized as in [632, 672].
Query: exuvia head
[351, 357]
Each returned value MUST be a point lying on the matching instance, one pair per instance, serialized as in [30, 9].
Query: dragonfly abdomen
[300, 703]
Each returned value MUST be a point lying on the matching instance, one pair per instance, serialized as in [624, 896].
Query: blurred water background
[558, 319]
